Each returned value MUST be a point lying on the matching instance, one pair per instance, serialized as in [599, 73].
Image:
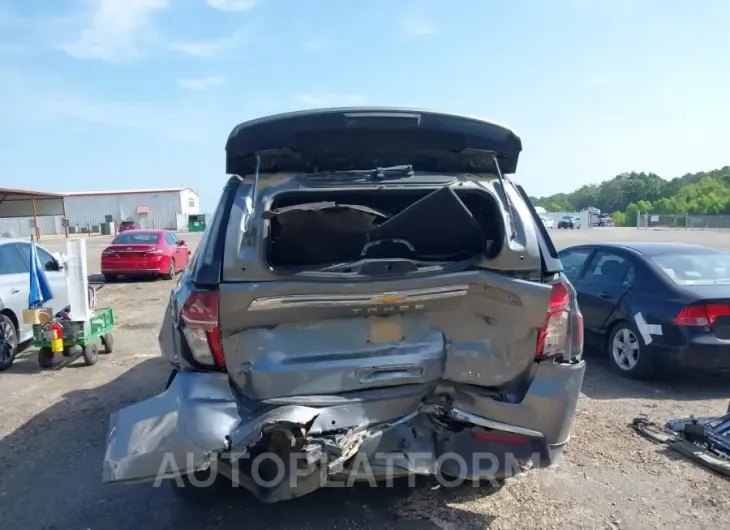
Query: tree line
[701, 193]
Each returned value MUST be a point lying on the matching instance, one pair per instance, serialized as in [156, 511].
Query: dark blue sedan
[653, 307]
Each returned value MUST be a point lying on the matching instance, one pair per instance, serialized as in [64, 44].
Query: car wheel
[627, 352]
[111, 277]
[8, 342]
[170, 270]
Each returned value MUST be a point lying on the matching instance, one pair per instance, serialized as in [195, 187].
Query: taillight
[562, 334]
[701, 315]
[154, 251]
[202, 331]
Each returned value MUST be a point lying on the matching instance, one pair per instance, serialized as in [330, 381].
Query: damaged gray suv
[374, 298]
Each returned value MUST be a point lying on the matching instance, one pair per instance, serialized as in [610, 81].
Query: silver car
[373, 298]
[14, 287]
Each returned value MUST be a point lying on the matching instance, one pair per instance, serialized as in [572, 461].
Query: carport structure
[33, 204]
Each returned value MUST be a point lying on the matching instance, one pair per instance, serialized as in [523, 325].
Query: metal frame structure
[27, 203]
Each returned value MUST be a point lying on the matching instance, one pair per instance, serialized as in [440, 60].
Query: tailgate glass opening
[331, 230]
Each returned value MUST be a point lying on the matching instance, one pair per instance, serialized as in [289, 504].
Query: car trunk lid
[363, 138]
[122, 251]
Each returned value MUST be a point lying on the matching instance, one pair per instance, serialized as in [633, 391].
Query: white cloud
[414, 24]
[232, 5]
[37, 98]
[115, 30]
[330, 100]
[211, 48]
[202, 83]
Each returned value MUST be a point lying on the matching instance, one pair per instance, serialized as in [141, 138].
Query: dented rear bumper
[197, 423]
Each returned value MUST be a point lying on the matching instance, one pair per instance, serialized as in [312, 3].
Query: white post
[77, 281]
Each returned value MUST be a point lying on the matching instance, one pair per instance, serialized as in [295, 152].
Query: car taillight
[701, 315]
[154, 251]
[562, 334]
[202, 332]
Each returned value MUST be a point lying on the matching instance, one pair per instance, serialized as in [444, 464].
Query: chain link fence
[683, 222]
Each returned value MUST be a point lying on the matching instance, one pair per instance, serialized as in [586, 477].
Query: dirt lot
[52, 427]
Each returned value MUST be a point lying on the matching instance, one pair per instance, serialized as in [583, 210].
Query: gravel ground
[52, 427]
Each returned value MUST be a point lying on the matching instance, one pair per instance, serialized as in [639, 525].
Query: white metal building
[167, 208]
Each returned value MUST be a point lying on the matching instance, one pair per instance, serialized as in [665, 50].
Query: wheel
[170, 270]
[8, 342]
[108, 341]
[45, 357]
[627, 353]
[199, 486]
[111, 277]
[90, 353]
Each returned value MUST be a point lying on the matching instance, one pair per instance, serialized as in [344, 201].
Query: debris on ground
[704, 440]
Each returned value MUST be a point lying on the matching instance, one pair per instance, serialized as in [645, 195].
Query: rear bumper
[700, 357]
[130, 270]
[196, 424]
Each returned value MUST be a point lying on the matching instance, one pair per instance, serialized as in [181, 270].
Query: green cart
[77, 335]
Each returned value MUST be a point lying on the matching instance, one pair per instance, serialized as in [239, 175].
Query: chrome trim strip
[468, 417]
[348, 300]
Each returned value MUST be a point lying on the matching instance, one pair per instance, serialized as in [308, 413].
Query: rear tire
[108, 341]
[170, 270]
[627, 353]
[45, 357]
[90, 353]
[8, 342]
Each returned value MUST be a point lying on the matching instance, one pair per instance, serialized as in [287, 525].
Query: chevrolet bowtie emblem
[389, 299]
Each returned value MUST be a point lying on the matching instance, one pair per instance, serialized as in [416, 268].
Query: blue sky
[109, 94]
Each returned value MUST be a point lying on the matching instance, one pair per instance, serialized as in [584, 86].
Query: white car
[14, 290]
[549, 222]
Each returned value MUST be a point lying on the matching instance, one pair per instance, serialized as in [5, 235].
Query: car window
[138, 238]
[695, 269]
[610, 269]
[573, 261]
[171, 238]
[46, 260]
[11, 261]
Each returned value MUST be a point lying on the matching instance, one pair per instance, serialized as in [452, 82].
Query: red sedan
[144, 252]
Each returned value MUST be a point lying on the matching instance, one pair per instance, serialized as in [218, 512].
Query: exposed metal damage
[292, 450]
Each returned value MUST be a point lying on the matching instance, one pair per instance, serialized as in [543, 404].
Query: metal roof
[126, 192]
[27, 203]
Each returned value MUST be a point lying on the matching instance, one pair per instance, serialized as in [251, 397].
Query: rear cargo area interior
[319, 228]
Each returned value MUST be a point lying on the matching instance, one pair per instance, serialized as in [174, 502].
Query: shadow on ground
[602, 383]
[99, 278]
[50, 478]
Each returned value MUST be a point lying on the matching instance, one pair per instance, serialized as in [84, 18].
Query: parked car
[128, 225]
[381, 308]
[14, 291]
[549, 222]
[569, 221]
[654, 307]
[144, 252]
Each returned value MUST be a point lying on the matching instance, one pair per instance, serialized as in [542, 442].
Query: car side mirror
[181, 242]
